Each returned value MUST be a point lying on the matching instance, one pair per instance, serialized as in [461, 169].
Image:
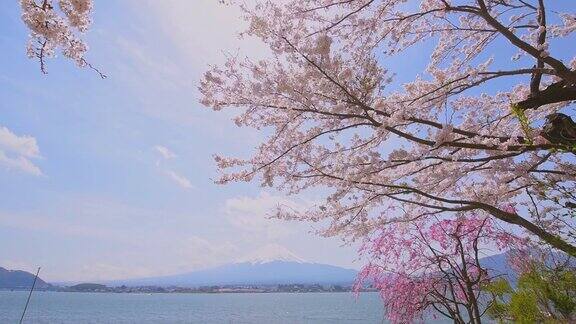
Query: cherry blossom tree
[463, 135]
[53, 28]
[433, 267]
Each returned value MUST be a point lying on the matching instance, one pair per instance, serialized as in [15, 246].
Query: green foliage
[499, 289]
[524, 307]
[524, 122]
[542, 295]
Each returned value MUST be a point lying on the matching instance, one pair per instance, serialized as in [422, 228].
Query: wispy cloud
[251, 215]
[177, 178]
[181, 180]
[165, 152]
[103, 223]
[16, 152]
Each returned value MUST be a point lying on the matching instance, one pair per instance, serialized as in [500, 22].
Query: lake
[63, 307]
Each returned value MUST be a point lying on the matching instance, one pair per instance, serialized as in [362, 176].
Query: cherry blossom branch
[561, 69]
[440, 144]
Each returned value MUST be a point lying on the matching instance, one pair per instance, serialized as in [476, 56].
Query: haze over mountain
[270, 253]
[272, 264]
[498, 265]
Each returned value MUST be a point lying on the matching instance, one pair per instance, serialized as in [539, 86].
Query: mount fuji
[270, 265]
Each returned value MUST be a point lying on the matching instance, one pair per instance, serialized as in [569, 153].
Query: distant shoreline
[297, 288]
[188, 293]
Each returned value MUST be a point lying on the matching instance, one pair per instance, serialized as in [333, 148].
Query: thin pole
[29, 295]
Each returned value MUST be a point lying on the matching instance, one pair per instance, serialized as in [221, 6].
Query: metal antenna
[29, 295]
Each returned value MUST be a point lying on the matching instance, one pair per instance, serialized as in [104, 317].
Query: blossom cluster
[444, 142]
[52, 28]
[428, 264]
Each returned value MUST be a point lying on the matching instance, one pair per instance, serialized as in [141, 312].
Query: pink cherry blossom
[337, 120]
[57, 28]
[433, 266]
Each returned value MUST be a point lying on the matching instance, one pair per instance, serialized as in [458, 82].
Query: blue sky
[119, 180]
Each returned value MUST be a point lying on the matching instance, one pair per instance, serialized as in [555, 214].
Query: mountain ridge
[270, 253]
[274, 272]
[274, 266]
[250, 273]
[20, 279]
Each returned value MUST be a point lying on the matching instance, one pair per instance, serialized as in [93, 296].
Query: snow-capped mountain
[271, 253]
[270, 265]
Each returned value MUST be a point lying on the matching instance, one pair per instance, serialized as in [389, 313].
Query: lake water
[60, 307]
